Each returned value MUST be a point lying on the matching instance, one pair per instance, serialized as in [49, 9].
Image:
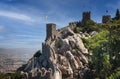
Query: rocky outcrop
[65, 57]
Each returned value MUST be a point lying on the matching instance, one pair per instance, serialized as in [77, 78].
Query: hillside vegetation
[104, 49]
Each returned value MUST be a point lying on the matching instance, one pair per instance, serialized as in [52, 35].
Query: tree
[117, 17]
[78, 29]
[100, 58]
[37, 54]
[59, 43]
[104, 49]
[90, 25]
[114, 42]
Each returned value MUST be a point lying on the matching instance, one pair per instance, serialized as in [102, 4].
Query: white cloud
[28, 36]
[17, 16]
[2, 28]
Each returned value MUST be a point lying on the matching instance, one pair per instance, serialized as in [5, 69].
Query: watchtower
[50, 31]
[85, 17]
[106, 19]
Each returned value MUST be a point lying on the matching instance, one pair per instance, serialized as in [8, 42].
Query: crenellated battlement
[85, 17]
[106, 19]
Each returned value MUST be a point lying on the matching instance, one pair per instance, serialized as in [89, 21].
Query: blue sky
[23, 22]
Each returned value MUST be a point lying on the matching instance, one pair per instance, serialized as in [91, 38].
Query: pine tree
[117, 17]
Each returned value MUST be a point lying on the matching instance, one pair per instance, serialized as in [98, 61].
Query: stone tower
[50, 31]
[106, 19]
[85, 17]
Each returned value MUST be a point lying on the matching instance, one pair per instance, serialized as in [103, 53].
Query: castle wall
[85, 17]
[106, 19]
[50, 31]
[72, 25]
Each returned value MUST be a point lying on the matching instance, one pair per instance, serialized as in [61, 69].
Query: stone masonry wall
[85, 17]
[106, 19]
[50, 31]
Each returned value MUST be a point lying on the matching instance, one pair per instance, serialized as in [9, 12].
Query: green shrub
[37, 54]
[59, 44]
[115, 75]
[15, 75]
[78, 29]
[90, 25]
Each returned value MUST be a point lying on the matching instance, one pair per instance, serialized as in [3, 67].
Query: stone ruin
[51, 31]
[72, 25]
[86, 16]
[67, 61]
[106, 19]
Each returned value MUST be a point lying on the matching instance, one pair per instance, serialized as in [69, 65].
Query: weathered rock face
[65, 57]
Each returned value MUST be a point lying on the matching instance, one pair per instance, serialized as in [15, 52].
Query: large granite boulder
[67, 61]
